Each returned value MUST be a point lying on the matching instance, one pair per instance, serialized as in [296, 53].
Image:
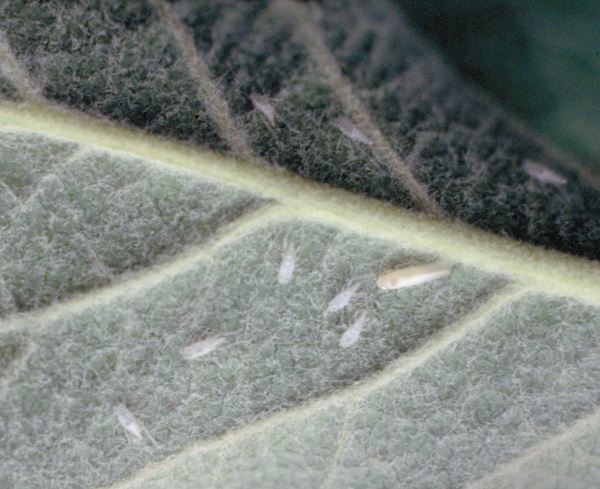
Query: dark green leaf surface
[7, 89]
[442, 148]
[114, 59]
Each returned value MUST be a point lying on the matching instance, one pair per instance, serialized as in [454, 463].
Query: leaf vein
[17, 74]
[355, 108]
[215, 103]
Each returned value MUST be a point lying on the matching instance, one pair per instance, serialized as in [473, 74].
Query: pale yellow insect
[263, 105]
[353, 331]
[201, 348]
[133, 427]
[346, 127]
[407, 277]
[288, 263]
[543, 174]
[343, 298]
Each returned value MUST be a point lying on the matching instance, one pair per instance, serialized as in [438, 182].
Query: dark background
[539, 59]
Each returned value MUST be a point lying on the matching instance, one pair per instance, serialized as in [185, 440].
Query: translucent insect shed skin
[407, 277]
[346, 126]
[543, 174]
[353, 331]
[201, 348]
[132, 425]
[263, 105]
[288, 263]
[343, 298]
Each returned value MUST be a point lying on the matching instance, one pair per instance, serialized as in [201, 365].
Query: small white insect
[346, 127]
[343, 298]
[353, 331]
[201, 348]
[543, 174]
[132, 425]
[407, 277]
[288, 263]
[262, 104]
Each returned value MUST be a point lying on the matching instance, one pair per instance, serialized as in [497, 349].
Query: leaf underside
[113, 261]
[130, 62]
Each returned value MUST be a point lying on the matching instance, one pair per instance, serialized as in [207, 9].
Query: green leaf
[166, 313]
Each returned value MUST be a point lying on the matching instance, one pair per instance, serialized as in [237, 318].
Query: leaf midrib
[543, 270]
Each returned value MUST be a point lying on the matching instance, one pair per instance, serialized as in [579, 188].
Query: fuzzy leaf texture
[178, 311]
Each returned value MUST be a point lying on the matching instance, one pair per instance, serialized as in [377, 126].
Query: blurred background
[540, 59]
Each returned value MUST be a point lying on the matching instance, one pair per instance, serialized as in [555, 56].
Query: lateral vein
[355, 109]
[209, 93]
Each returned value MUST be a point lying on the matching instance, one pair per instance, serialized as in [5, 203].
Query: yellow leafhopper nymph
[407, 277]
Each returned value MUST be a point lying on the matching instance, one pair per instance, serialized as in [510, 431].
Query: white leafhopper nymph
[346, 127]
[288, 263]
[543, 174]
[133, 427]
[353, 331]
[343, 298]
[201, 348]
[407, 277]
[263, 105]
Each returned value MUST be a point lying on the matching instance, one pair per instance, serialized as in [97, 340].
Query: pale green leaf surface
[120, 248]
[75, 221]
[454, 417]
[569, 460]
[281, 349]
